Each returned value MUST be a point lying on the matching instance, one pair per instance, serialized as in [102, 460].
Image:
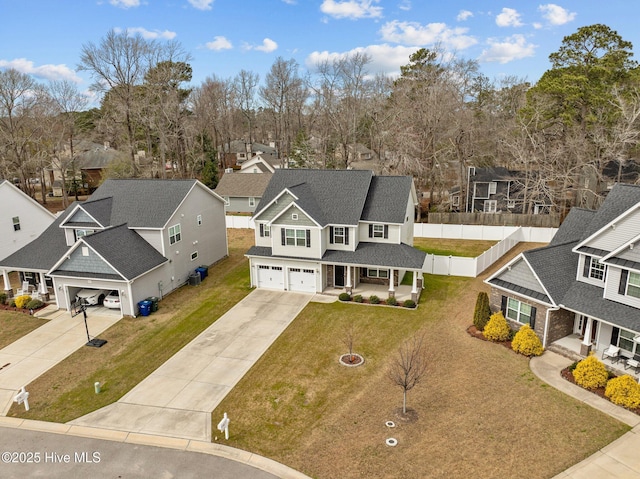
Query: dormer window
[83, 232]
[593, 269]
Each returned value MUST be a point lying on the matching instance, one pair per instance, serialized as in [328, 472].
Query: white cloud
[353, 9]
[413, 33]
[512, 48]
[201, 4]
[151, 35]
[290, 2]
[48, 72]
[464, 15]
[125, 3]
[555, 14]
[405, 5]
[267, 46]
[219, 43]
[508, 18]
[385, 58]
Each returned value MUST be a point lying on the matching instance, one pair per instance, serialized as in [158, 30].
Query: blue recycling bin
[202, 272]
[145, 307]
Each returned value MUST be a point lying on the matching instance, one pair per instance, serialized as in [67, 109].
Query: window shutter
[330, 234]
[622, 288]
[587, 265]
[503, 306]
[308, 238]
[370, 231]
[533, 317]
[386, 231]
[615, 332]
[261, 230]
[282, 236]
[346, 235]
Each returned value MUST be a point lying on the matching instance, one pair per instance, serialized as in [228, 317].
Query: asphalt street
[27, 454]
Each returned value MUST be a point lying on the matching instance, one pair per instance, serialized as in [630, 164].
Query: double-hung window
[593, 268]
[295, 237]
[519, 311]
[338, 234]
[377, 273]
[633, 284]
[16, 223]
[174, 234]
[378, 231]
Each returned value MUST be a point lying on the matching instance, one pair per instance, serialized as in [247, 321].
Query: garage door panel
[302, 280]
[270, 277]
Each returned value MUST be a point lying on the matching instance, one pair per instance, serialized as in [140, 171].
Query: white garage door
[302, 280]
[270, 277]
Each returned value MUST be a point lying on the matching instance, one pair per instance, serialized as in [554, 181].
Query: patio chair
[612, 352]
[633, 363]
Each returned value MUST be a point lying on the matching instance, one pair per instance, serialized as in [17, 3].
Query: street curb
[190, 445]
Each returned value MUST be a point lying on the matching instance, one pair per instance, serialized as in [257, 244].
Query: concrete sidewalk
[619, 459]
[177, 399]
[30, 356]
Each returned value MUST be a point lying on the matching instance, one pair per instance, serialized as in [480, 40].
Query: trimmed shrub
[373, 299]
[392, 301]
[3, 298]
[358, 298]
[482, 312]
[34, 304]
[21, 301]
[409, 303]
[344, 297]
[497, 328]
[624, 391]
[527, 342]
[590, 373]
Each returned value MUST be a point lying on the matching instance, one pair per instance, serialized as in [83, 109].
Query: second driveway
[177, 399]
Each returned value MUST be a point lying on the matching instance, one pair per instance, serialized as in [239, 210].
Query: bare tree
[349, 339]
[409, 366]
[245, 84]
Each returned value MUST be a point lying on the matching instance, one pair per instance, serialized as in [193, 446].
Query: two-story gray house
[318, 229]
[585, 285]
[140, 237]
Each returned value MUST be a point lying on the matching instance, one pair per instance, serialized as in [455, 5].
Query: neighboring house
[593, 187]
[584, 287]
[22, 218]
[257, 164]
[242, 192]
[141, 237]
[319, 229]
[238, 151]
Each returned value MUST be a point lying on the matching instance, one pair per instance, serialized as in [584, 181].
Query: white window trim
[376, 233]
[16, 223]
[194, 256]
[517, 310]
[492, 206]
[375, 273]
[252, 201]
[176, 237]
[199, 220]
[635, 286]
[339, 238]
[493, 187]
[293, 234]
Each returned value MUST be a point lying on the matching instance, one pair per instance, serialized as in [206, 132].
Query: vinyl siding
[287, 218]
[611, 289]
[522, 275]
[624, 231]
[273, 210]
[92, 263]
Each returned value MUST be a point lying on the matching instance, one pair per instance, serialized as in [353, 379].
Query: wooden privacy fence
[495, 219]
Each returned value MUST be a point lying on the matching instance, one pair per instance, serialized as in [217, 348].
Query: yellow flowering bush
[21, 301]
[624, 391]
[497, 328]
[527, 342]
[590, 373]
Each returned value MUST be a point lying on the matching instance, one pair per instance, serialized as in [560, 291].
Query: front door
[338, 273]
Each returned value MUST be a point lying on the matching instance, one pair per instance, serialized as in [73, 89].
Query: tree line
[441, 115]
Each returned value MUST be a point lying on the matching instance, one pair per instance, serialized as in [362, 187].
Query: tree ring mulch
[410, 416]
[351, 360]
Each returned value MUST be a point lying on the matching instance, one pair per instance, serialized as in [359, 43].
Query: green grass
[15, 325]
[453, 247]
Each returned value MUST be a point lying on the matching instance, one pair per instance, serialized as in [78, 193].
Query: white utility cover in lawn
[177, 399]
[271, 277]
[302, 280]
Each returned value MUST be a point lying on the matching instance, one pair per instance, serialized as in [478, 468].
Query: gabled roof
[494, 173]
[123, 249]
[573, 226]
[143, 203]
[330, 196]
[95, 214]
[243, 184]
[386, 202]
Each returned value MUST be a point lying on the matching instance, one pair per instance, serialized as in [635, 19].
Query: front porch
[570, 346]
[402, 292]
[30, 283]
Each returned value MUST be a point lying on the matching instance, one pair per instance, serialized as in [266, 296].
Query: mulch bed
[476, 333]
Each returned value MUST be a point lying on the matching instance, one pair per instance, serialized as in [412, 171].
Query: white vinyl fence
[507, 237]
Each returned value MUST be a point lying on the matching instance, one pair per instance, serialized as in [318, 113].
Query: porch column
[585, 346]
[392, 289]
[43, 284]
[7, 283]
[348, 286]
[414, 283]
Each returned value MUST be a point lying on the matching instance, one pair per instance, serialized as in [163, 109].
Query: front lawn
[453, 247]
[138, 346]
[15, 325]
[481, 412]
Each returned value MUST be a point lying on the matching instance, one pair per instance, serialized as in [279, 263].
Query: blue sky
[44, 37]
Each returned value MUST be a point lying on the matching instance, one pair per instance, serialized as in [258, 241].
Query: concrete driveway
[177, 399]
[30, 356]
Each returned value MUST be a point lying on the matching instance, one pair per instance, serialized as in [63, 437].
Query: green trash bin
[154, 303]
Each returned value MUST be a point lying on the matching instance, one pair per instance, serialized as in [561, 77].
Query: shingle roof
[44, 251]
[143, 203]
[491, 174]
[388, 255]
[621, 198]
[555, 266]
[387, 199]
[339, 195]
[243, 184]
[99, 209]
[573, 226]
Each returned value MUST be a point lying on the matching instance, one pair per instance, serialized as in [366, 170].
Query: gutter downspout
[546, 326]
